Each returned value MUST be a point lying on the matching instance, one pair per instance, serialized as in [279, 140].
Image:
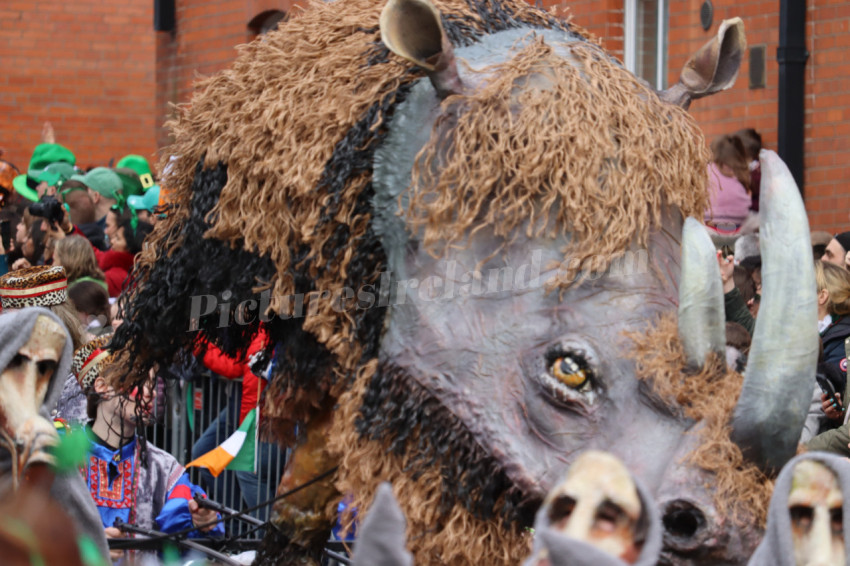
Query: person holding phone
[833, 284]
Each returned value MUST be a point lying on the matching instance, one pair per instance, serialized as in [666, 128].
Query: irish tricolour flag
[235, 453]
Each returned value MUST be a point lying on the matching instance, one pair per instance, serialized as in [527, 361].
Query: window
[266, 22]
[646, 40]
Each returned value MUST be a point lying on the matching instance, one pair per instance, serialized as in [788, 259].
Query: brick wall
[602, 18]
[204, 42]
[87, 66]
[828, 115]
[739, 106]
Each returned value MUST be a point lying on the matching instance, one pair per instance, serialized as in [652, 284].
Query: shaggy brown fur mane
[595, 155]
[291, 128]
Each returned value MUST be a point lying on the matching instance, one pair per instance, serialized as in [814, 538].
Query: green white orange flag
[235, 453]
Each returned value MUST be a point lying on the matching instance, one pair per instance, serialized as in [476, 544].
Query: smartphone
[6, 234]
[826, 386]
[828, 389]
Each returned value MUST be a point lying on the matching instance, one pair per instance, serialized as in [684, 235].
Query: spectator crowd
[91, 222]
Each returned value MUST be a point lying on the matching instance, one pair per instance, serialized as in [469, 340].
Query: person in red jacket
[117, 262]
[254, 487]
[235, 368]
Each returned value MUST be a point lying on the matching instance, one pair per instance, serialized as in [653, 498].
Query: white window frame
[630, 41]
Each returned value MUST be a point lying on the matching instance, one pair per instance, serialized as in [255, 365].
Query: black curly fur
[157, 313]
[399, 412]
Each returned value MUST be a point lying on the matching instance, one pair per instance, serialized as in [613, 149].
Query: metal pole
[630, 36]
[175, 422]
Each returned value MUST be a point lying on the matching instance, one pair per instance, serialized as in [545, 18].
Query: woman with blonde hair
[75, 254]
[833, 284]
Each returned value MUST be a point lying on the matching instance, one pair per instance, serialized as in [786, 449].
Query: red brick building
[87, 66]
[202, 42]
[105, 79]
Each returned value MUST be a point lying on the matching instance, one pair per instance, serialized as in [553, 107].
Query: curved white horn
[780, 375]
[702, 322]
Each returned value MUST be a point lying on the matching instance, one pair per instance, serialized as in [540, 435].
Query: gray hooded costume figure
[563, 550]
[777, 548]
[16, 328]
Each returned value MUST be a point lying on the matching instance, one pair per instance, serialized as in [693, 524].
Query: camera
[48, 208]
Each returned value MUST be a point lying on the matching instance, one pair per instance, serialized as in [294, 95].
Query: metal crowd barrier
[206, 397]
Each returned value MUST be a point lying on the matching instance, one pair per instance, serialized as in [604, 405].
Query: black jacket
[833, 340]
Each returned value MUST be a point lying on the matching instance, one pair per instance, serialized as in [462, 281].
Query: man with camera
[99, 188]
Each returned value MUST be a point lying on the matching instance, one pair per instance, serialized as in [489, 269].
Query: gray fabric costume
[776, 548]
[381, 540]
[68, 489]
[566, 551]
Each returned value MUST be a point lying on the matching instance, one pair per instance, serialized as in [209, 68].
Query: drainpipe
[792, 55]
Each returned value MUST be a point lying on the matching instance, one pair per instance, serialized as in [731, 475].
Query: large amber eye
[566, 370]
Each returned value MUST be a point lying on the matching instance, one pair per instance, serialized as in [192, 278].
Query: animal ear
[711, 69]
[413, 30]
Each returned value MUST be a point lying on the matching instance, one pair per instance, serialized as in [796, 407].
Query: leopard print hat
[38, 286]
[89, 361]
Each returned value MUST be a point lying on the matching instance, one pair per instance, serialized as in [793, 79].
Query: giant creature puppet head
[463, 226]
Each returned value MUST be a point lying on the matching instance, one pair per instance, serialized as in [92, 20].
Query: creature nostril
[683, 521]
